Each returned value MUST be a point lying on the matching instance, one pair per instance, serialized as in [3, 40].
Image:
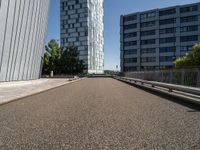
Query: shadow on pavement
[193, 106]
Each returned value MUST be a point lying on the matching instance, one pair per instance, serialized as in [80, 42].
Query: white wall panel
[23, 28]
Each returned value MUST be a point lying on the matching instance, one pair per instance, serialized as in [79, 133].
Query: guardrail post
[171, 76]
[198, 77]
[182, 76]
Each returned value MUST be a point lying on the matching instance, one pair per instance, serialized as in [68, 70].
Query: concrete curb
[42, 91]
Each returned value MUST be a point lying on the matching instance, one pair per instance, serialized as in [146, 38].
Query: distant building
[82, 25]
[154, 38]
[23, 26]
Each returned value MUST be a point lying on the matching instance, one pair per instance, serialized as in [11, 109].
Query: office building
[23, 26]
[82, 25]
[153, 39]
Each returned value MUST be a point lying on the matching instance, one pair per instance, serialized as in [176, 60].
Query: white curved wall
[23, 27]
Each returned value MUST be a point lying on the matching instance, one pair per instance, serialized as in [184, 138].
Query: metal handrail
[171, 87]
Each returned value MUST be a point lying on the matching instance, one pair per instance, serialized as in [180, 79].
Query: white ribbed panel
[23, 28]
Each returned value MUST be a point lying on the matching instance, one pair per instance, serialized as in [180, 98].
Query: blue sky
[113, 9]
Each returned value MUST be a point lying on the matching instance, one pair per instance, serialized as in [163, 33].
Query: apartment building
[153, 39]
[82, 25]
[23, 26]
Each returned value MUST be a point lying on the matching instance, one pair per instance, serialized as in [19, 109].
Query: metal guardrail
[170, 87]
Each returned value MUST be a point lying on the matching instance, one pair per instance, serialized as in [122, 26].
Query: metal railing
[188, 77]
[186, 93]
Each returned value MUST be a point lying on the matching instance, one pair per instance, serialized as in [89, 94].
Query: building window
[167, 40]
[189, 19]
[130, 18]
[130, 60]
[189, 38]
[167, 21]
[167, 49]
[148, 42]
[148, 24]
[130, 52]
[148, 59]
[167, 30]
[148, 15]
[131, 43]
[130, 35]
[189, 28]
[189, 9]
[186, 48]
[167, 12]
[147, 33]
[130, 68]
[148, 50]
[166, 58]
[131, 26]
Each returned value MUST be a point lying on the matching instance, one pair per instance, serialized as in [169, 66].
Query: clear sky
[112, 9]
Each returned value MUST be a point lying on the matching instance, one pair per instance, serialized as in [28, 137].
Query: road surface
[98, 113]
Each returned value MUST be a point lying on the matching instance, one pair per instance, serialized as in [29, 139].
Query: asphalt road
[98, 113]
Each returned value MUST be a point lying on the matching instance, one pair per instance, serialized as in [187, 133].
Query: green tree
[185, 61]
[70, 61]
[46, 64]
[62, 60]
[196, 55]
[189, 60]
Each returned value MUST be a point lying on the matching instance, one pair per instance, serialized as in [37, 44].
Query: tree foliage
[189, 60]
[62, 60]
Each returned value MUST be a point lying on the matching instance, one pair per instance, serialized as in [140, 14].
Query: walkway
[10, 91]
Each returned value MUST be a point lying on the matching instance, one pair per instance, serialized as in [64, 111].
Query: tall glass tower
[82, 25]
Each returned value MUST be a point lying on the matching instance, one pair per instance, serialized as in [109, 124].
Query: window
[167, 21]
[129, 35]
[167, 12]
[130, 18]
[148, 15]
[130, 60]
[150, 32]
[130, 68]
[189, 9]
[167, 40]
[167, 30]
[131, 26]
[167, 49]
[189, 38]
[130, 52]
[132, 43]
[148, 59]
[147, 42]
[148, 50]
[166, 58]
[189, 28]
[148, 24]
[186, 48]
[71, 25]
[189, 19]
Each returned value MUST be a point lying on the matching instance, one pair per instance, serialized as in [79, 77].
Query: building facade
[153, 39]
[82, 25]
[23, 26]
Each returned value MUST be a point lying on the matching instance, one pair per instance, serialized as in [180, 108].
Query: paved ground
[12, 90]
[97, 114]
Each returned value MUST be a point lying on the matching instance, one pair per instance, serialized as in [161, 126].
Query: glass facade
[159, 36]
[82, 25]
